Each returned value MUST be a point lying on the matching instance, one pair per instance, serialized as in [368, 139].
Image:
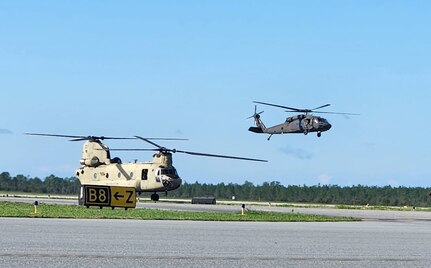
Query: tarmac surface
[29, 242]
[382, 239]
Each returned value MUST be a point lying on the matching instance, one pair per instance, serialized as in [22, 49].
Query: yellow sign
[110, 196]
[123, 197]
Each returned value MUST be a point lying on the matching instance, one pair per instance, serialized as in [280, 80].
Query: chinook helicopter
[159, 175]
[304, 122]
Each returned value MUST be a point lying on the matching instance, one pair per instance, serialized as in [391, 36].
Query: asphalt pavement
[27, 242]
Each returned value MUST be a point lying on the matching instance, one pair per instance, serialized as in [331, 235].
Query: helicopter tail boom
[255, 129]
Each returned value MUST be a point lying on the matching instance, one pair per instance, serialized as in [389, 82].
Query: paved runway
[383, 239]
[134, 243]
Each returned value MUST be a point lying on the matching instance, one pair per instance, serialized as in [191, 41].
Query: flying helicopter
[304, 122]
[159, 175]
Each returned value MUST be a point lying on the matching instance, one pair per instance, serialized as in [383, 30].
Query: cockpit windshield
[320, 121]
[171, 172]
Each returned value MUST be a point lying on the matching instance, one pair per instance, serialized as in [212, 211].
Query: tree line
[49, 185]
[268, 191]
[320, 194]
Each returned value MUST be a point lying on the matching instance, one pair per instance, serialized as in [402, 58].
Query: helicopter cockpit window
[171, 172]
[144, 175]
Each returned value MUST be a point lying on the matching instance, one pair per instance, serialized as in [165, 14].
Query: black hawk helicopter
[304, 122]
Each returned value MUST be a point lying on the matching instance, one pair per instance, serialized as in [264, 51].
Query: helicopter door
[158, 173]
[308, 123]
[144, 175]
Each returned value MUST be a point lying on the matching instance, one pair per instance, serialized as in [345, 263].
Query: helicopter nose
[325, 126]
[176, 183]
[172, 183]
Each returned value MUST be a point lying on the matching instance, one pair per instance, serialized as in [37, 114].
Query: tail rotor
[260, 127]
[256, 114]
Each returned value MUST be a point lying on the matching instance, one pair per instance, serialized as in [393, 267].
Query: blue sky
[191, 69]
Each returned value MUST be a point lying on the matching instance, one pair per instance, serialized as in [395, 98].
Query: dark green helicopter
[301, 123]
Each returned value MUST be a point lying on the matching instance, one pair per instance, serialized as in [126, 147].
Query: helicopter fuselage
[300, 124]
[295, 124]
[97, 168]
[144, 177]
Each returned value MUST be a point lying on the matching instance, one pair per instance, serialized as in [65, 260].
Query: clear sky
[192, 69]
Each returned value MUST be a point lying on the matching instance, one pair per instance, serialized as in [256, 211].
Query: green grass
[11, 209]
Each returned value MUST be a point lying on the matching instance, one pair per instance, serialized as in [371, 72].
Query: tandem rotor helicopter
[304, 122]
[99, 169]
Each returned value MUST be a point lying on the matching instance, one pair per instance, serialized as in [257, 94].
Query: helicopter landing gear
[155, 197]
[305, 132]
[270, 136]
[319, 134]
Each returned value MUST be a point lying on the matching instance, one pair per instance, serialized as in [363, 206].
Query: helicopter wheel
[305, 132]
[319, 134]
[155, 197]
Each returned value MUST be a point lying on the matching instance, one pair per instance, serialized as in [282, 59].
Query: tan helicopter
[99, 169]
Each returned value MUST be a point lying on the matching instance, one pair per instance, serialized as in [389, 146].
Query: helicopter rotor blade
[220, 156]
[188, 152]
[326, 105]
[336, 113]
[279, 106]
[163, 149]
[130, 149]
[78, 138]
[306, 111]
[150, 142]
[165, 139]
[293, 109]
[55, 135]
[93, 138]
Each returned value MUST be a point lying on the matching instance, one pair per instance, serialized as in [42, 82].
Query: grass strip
[12, 209]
